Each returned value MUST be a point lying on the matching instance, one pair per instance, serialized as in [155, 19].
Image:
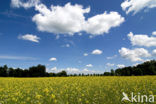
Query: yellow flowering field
[73, 90]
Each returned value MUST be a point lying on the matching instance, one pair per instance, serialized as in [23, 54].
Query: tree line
[146, 68]
[34, 71]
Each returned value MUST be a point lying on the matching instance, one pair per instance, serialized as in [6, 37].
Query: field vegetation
[73, 90]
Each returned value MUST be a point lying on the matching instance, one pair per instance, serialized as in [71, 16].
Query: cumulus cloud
[154, 52]
[51, 20]
[26, 5]
[147, 60]
[73, 20]
[112, 57]
[154, 33]
[53, 59]
[97, 52]
[29, 37]
[7, 57]
[142, 40]
[136, 64]
[134, 55]
[102, 23]
[89, 65]
[120, 65]
[71, 70]
[54, 69]
[109, 64]
[66, 45]
[137, 5]
[85, 54]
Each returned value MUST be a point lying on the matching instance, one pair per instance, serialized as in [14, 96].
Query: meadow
[73, 90]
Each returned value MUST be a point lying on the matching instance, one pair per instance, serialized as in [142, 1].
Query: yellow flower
[28, 98]
[55, 101]
[52, 96]
[46, 90]
[80, 99]
[38, 96]
[87, 102]
[150, 92]
[14, 99]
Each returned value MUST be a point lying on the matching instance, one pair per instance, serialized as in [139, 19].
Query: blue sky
[32, 33]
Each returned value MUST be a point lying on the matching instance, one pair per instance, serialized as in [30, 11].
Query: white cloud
[102, 23]
[120, 66]
[80, 34]
[73, 20]
[57, 37]
[154, 52]
[135, 54]
[54, 69]
[71, 70]
[109, 64]
[51, 20]
[53, 59]
[97, 52]
[26, 5]
[89, 65]
[16, 57]
[85, 54]
[154, 33]
[136, 64]
[112, 57]
[66, 45]
[147, 60]
[142, 40]
[137, 5]
[29, 37]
